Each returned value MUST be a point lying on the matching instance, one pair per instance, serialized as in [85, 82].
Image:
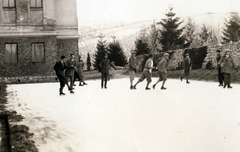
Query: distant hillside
[127, 33]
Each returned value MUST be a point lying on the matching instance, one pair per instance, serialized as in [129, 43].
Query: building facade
[34, 34]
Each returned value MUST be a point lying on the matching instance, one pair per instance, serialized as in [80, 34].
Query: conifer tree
[101, 50]
[141, 47]
[88, 62]
[170, 33]
[232, 30]
[116, 53]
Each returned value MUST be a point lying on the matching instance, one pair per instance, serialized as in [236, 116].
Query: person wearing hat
[59, 68]
[79, 72]
[105, 65]
[132, 67]
[147, 72]
[187, 66]
[227, 64]
[70, 69]
[162, 70]
[220, 75]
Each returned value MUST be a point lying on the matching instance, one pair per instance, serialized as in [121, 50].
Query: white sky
[109, 11]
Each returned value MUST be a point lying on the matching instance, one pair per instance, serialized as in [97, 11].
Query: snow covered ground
[196, 117]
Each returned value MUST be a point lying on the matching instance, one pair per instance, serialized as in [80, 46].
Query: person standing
[70, 69]
[187, 66]
[132, 68]
[227, 64]
[162, 70]
[79, 71]
[59, 68]
[105, 65]
[147, 72]
[220, 74]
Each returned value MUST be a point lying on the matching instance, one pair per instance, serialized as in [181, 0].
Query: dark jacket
[105, 65]
[59, 68]
[70, 67]
[187, 64]
[218, 59]
[227, 64]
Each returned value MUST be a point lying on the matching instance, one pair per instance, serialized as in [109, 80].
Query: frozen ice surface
[196, 117]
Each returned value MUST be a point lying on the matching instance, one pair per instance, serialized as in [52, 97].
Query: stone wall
[24, 66]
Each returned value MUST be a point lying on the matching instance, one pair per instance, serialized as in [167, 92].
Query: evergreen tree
[204, 34]
[153, 39]
[232, 30]
[88, 62]
[189, 32]
[170, 33]
[101, 50]
[116, 53]
[141, 47]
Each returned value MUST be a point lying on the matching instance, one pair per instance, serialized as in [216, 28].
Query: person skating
[132, 68]
[79, 71]
[219, 68]
[162, 70]
[187, 66]
[70, 69]
[227, 64]
[59, 68]
[105, 65]
[147, 72]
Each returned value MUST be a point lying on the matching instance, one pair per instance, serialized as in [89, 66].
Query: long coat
[105, 65]
[227, 64]
[162, 65]
[59, 68]
[132, 64]
[70, 67]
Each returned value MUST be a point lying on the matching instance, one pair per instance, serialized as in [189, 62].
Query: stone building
[34, 34]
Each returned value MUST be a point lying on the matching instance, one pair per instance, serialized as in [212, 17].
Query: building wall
[24, 66]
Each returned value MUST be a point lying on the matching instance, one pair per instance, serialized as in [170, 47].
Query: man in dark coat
[59, 68]
[105, 65]
[187, 66]
[70, 69]
[220, 74]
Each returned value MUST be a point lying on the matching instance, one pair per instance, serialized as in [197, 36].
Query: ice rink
[196, 117]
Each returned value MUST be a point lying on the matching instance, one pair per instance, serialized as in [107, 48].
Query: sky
[117, 11]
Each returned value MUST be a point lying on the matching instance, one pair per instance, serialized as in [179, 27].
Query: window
[11, 52]
[38, 54]
[36, 3]
[8, 3]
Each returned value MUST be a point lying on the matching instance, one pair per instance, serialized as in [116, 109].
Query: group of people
[225, 66]
[71, 69]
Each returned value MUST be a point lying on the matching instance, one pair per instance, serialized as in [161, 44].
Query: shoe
[84, 83]
[220, 85]
[74, 84]
[71, 91]
[134, 87]
[187, 82]
[163, 88]
[131, 87]
[80, 84]
[181, 78]
[224, 86]
[61, 94]
[230, 87]
[105, 87]
[154, 86]
[147, 88]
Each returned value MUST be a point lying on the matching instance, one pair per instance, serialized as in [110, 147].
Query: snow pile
[199, 117]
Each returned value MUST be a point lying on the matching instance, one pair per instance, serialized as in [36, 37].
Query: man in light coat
[147, 72]
[132, 68]
[227, 65]
[162, 70]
